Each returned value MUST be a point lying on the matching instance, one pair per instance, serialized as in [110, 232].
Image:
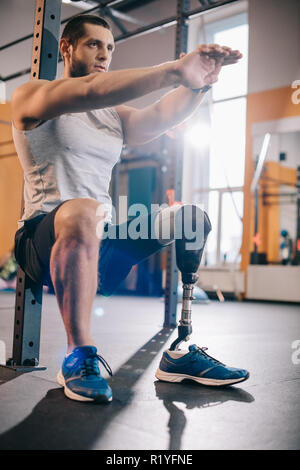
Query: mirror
[277, 199]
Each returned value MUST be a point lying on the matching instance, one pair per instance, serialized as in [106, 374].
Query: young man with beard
[69, 134]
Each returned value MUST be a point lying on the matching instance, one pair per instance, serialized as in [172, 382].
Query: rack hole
[50, 55]
[33, 302]
[30, 344]
[34, 74]
[35, 61]
[37, 35]
[17, 336]
[52, 17]
[20, 279]
[38, 22]
[36, 48]
[18, 322]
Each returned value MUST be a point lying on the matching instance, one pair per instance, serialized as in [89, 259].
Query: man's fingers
[215, 50]
[226, 54]
[228, 49]
[230, 62]
[203, 49]
[211, 49]
[233, 58]
[236, 54]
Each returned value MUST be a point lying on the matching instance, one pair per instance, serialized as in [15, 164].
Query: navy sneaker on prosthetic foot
[197, 365]
[80, 376]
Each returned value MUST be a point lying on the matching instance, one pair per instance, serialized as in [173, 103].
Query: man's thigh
[119, 249]
[34, 241]
[33, 244]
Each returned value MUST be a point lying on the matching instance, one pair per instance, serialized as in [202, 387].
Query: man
[69, 134]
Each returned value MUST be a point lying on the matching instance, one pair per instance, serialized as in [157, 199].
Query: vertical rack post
[175, 178]
[28, 302]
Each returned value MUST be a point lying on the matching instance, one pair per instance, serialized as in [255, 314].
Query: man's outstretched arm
[143, 125]
[40, 100]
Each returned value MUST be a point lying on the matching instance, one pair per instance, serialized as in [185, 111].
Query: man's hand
[202, 66]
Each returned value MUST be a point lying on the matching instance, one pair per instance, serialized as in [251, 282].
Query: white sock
[176, 354]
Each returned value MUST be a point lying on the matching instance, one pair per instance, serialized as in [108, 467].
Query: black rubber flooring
[261, 413]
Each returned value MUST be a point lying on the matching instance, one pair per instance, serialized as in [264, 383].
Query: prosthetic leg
[188, 258]
[194, 364]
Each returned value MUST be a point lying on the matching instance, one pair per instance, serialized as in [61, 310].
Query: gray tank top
[71, 156]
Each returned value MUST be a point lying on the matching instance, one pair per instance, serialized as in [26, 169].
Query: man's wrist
[174, 74]
[203, 89]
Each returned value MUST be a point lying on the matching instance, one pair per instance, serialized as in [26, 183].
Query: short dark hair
[74, 29]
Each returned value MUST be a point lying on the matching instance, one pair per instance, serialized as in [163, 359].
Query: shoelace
[91, 365]
[201, 351]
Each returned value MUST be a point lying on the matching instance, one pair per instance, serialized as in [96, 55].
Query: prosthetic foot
[194, 226]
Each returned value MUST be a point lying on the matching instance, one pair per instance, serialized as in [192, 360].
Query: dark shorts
[34, 241]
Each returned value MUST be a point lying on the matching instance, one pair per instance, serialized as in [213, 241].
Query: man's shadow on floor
[59, 423]
[193, 396]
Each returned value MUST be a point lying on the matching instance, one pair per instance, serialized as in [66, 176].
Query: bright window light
[226, 160]
[233, 79]
[198, 136]
[211, 245]
[232, 208]
[227, 151]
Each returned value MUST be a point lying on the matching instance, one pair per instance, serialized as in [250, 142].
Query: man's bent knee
[79, 218]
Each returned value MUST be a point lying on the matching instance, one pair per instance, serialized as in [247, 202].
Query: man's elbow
[144, 126]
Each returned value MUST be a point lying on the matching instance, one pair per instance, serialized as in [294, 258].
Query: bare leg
[74, 266]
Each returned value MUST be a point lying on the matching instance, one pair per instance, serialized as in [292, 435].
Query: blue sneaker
[176, 366]
[80, 376]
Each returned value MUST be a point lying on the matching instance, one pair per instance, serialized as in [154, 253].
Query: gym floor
[261, 413]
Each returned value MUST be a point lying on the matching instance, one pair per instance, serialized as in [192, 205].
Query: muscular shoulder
[24, 91]
[20, 98]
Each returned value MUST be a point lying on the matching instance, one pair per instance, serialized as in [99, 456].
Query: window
[225, 158]
[233, 80]
[227, 149]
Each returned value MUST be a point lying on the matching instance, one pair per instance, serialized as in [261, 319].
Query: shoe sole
[167, 377]
[74, 396]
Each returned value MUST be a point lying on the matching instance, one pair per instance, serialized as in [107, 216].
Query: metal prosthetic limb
[188, 261]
